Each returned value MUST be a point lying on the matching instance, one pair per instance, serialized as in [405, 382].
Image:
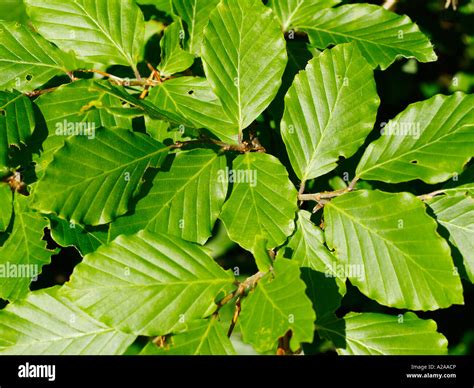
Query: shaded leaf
[195, 14]
[17, 111]
[92, 181]
[6, 208]
[173, 58]
[278, 304]
[74, 109]
[190, 102]
[85, 238]
[184, 201]
[306, 247]
[456, 214]
[24, 252]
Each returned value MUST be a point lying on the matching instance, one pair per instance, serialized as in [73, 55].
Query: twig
[284, 344]
[324, 197]
[353, 184]
[153, 75]
[389, 4]
[241, 147]
[37, 93]
[244, 287]
[427, 197]
[123, 81]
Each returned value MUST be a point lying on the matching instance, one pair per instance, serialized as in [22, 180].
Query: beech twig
[240, 292]
[426, 197]
[324, 197]
[241, 147]
[124, 81]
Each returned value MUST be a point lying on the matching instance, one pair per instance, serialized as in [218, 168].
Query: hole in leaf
[191, 92]
[414, 162]
[29, 77]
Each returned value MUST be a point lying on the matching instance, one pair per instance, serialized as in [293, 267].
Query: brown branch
[36, 93]
[154, 75]
[124, 81]
[242, 147]
[284, 344]
[324, 197]
[244, 287]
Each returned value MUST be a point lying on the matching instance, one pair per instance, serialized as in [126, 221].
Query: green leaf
[148, 283]
[278, 304]
[190, 102]
[137, 105]
[431, 140]
[456, 214]
[381, 334]
[13, 10]
[262, 256]
[306, 247]
[27, 60]
[295, 13]
[6, 209]
[390, 250]
[173, 58]
[108, 32]
[195, 14]
[4, 149]
[329, 111]
[204, 338]
[462, 184]
[24, 252]
[262, 203]
[85, 238]
[163, 132]
[244, 74]
[19, 117]
[184, 201]
[382, 36]
[92, 181]
[46, 323]
[73, 107]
